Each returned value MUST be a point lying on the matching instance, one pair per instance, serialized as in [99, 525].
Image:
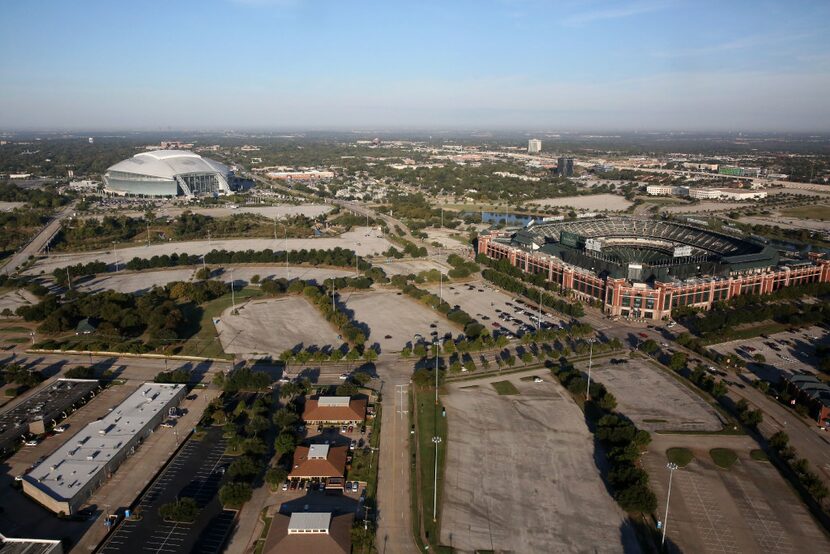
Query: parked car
[285, 486]
[61, 428]
[32, 442]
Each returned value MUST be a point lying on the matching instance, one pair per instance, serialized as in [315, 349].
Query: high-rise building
[565, 167]
[534, 146]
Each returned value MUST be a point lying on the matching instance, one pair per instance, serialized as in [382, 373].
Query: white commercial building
[534, 146]
[69, 476]
[666, 190]
[726, 194]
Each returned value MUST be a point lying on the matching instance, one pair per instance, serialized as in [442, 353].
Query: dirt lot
[363, 240]
[520, 474]
[386, 313]
[10, 206]
[274, 325]
[655, 400]
[599, 202]
[746, 508]
[795, 354]
[14, 299]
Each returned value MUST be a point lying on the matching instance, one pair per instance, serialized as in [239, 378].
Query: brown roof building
[318, 460]
[335, 409]
[307, 532]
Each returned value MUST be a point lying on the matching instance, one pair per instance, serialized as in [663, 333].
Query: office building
[534, 146]
[565, 167]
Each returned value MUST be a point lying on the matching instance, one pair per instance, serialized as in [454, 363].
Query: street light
[115, 251]
[435, 344]
[590, 359]
[437, 441]
[671, 467]
[233, 295]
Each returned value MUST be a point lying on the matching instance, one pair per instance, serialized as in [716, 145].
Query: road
[34, 246]
[394, 534]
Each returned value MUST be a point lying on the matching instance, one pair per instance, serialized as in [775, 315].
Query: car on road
[61, 428]
[343, 376]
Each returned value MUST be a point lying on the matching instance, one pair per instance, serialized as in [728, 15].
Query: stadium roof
[167, 164]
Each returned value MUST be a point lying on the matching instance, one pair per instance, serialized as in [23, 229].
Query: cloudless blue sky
[534, 64]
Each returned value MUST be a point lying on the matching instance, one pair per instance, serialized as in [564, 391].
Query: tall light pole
[437, 440]
[539, 322]
[233, 295]
[68, 278]
[441, 286]
[148, 234]
[671, 467]
[590, 359]
[285, 232]
[204, 267]
[435, 344]
[115, 251]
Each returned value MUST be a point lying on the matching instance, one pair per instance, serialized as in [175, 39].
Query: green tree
[275, 476]
[184, 510]
[678, 361]
[234, 495]
[284, 443]
[243, 468]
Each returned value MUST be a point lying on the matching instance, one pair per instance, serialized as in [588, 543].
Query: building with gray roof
[168, 173]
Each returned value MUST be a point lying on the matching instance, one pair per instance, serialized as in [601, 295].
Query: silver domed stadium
[168, 173]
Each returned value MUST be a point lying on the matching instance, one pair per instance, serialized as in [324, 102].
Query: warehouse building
[67, 478]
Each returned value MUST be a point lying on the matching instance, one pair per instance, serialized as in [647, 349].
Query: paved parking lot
[196, 472]
[393, 319]
[491, 306]
[747, 508]
[406, 267]
[653, 399]
[274, 325]
[793, 352]
[520, 474]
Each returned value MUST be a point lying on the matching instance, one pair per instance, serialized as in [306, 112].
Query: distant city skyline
[507, 64]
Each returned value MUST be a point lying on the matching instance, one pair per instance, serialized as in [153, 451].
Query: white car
[32, 442]
[344, 376]
[61, 428]
[537, 380]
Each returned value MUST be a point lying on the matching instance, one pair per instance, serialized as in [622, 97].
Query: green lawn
[820, 212]
[758, 455]
[430, 424]
[505, 387]
[202, 338]
[723, 457]
[365, 465]
[15, 330]
[680, 456]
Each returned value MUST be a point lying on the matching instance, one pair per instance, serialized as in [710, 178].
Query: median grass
[758, 455]
[723, 457]
[505, 387]
[430, 424]
[680, 456]
[820, 212]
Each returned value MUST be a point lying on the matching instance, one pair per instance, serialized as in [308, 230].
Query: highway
[34, 246]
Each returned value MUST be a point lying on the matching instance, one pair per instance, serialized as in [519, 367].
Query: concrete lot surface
[134, 281]
[242, 275]
[16, 298]
[520, 474]
[364, 240]
[795, 354]
[653, 399]
[480, 300]
[387, 313]
[612, 202]
[272, 326]
[405, 267]
[10, 206]
[747, 508]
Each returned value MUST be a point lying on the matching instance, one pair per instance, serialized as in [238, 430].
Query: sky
[693, 65]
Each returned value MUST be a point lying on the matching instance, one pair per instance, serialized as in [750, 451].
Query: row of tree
[516, 286]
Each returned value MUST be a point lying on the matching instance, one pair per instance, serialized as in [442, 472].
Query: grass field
[680, 456]
[758, 455]
[430, 424]
[15, 330]
[723, 457]
[820, 212]
[203, 340]
[505, 387]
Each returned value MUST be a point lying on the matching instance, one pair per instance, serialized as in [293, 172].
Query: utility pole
[590, 357]
[671, 467]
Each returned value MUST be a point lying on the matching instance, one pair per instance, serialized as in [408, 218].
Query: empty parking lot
[746, 508]
[520, 474]
[653, 399]
[396, 316]
[274, 325]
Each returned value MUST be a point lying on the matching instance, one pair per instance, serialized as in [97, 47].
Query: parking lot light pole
[233, 295]
[590, 359]
[671, 467]
[115, 251]
[437, 441]
[435, 343]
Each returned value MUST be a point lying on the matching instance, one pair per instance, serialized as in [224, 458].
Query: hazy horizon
[509, 65]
